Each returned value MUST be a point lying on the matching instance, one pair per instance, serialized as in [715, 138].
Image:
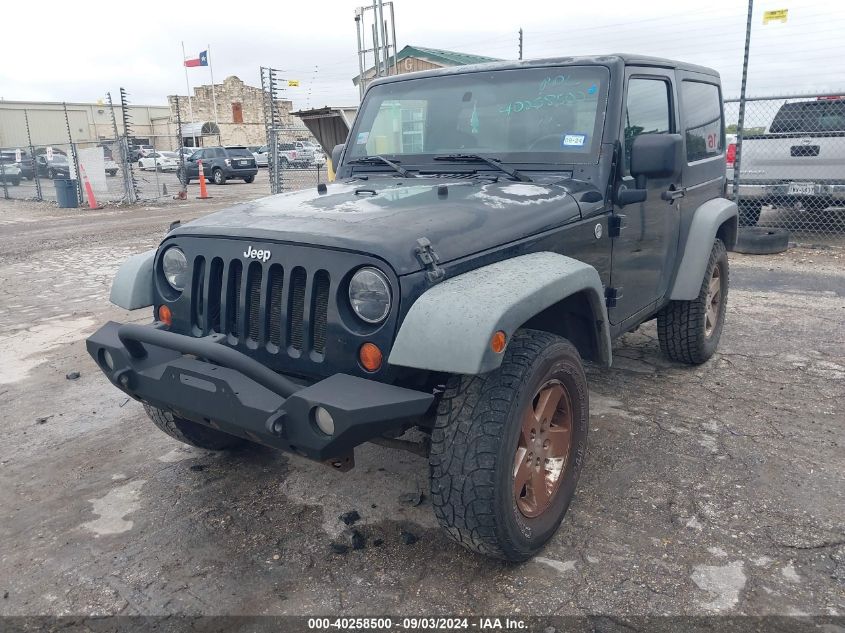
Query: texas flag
[202, 60]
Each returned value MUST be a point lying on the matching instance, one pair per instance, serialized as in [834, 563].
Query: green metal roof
[436, 56]
[447, 58]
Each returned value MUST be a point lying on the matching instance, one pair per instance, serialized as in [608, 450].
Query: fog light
[108, 360]
[165, 315]
[324, 421]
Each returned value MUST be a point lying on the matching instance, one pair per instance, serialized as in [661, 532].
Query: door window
[647, 111]
[702, 119]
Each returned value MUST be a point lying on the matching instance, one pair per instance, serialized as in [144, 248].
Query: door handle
[672, 194]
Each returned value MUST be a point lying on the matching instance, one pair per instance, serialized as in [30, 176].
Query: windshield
[534, 115]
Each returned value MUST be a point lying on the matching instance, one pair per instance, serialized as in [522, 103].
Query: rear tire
[192, 433]
[689, 331]
[508, 446]
[749, 212]
[249, 179]
[218, 176]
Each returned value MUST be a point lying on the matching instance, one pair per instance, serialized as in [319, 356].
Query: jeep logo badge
[251, 253]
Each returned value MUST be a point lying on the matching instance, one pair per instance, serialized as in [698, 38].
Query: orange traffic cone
[203, 190]
[89, 190]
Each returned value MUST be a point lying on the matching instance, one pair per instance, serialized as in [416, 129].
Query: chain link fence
[294, 160]
[786, 167]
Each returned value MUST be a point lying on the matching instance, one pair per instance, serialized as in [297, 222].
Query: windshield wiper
[493, 162]
[381, 159]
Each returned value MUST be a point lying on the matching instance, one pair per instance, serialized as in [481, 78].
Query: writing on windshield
[523, 115]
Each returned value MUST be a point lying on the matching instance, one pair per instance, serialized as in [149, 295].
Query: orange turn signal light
[165, 315]
[497, 343]
[370, 356]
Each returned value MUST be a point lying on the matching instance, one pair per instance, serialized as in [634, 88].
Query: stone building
[239, 117]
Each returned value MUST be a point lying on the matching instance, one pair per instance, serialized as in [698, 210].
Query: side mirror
[337, 152]
[656, 156]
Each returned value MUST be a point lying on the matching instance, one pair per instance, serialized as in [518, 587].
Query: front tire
[689, 331]
[192, 433]
[508, 446]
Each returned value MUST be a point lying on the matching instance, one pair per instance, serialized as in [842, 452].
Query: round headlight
[174, 265]
[369, 295]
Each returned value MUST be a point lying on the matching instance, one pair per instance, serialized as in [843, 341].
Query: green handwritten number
[506, 110]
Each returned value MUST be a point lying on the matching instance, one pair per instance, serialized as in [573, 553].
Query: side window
[197, 155]
[647, 111]
[702, 119]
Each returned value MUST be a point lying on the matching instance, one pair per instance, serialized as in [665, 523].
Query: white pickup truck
[799, 159]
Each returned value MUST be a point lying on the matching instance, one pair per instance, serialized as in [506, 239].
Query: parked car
[219, 164]
[58, 167]
[452, 290]
[10, 173]
[261, 156]
[290, 157]
[159, 161]
[26, 165]
[146, 150]
[799, 159]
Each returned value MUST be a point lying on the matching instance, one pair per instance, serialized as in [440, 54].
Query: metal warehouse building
[88, 122]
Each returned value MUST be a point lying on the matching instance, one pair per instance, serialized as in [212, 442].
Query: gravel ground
[711, 490]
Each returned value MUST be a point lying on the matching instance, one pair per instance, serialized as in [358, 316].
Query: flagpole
[213, 94]
[188, 87]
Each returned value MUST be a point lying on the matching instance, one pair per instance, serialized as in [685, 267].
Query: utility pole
[520, 42]
[740, 124]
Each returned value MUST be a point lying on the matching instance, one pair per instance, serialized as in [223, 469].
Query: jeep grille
[252, 301]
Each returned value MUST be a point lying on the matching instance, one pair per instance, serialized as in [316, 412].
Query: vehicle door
[643, 253]
[192, 163]
[704, 141]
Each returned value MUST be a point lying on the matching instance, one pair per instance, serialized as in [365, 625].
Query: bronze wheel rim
[542, 453]
[714, 301]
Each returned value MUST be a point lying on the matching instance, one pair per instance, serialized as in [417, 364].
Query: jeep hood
[384, 217]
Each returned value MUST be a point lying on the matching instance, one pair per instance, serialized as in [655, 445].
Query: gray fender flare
[132, 287]
[703, 229]
[449, 327]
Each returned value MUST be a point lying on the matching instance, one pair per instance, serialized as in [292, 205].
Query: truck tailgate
[790, 157]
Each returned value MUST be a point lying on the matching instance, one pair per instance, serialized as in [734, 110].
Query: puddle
[24, 350]
[361, 487]
[113, 507]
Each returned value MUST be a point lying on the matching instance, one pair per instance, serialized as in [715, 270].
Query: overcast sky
[76, 51]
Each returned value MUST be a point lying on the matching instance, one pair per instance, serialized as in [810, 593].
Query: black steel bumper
[202, 380]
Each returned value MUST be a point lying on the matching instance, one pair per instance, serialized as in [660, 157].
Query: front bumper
[203, 380]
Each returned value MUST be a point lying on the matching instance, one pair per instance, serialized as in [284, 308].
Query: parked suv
[219, 164]
[26, 164]
[450, 281]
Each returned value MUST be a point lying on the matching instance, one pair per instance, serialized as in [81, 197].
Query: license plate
[802, 188]
[243, 163]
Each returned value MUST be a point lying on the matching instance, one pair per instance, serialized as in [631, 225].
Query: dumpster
[66, 194]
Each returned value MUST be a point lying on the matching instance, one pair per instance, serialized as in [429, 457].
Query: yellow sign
[778, 15]
[293, 83]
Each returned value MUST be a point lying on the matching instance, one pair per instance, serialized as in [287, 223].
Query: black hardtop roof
[615, 59]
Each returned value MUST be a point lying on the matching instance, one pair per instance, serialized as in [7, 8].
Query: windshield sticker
[362, 138]
[473, 120]
[592, 89]
[573, 140]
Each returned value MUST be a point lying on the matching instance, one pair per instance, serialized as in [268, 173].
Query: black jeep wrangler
[489, 228]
